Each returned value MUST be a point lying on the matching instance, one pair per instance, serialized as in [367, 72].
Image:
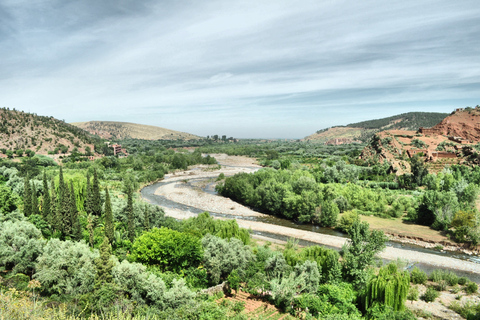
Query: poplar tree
[90, 229]
[96, 201]
[27, 197]
[75, 222]
[46, 209]
[131, 221]
[35, 209]
[108, 217]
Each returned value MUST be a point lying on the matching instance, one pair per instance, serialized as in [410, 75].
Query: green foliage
[233, 280]
[359, 253]
[108, 217]
[347, 220]
[430, 295]
[418, 276]
[104, 264]
[222, 256]
[142, 286]
[413, 293]
[96, 202]
[20, 245]
[468, 310]
[471, 288]
[168, 249]
[8, 200]
[327, 261]
[225, 229]
[66, 267]
[389, 288]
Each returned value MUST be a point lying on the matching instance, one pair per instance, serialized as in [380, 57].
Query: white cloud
[209, 66]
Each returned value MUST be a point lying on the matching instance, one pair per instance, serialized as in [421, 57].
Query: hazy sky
[241, 68]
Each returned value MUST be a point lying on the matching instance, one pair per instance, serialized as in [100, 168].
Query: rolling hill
[21, 131]
[363, 131]
[125, 130]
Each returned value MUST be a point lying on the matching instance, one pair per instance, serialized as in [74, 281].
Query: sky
[247, 69]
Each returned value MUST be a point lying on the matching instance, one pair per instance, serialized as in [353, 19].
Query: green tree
[130, 217]
[418, 169]
[74, 219]
[359, 253]
[88, 197]
[8, 199]
[221, 257]
[46, 207]
[390, 288]
[66, 267]
[20, 245]
[104, 264]
[108, 218]
[35, 209]
[96, 203]
[169, 249]
[27, 198]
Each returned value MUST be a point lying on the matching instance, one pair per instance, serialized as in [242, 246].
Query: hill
[125, 130]
[363, 131]
[454, 140]
[21, 131]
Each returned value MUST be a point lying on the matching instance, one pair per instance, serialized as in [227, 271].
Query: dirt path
[179, 191]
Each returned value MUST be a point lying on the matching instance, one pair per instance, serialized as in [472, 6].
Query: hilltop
[452, 141]
[126, 130]
[363, 131]
[21, 131]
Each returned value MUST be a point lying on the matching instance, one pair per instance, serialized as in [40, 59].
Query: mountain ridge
[364, 130]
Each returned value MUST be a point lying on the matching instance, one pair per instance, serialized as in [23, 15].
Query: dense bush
[66, 267]
[20, 245]
[167, 249]
[418, 276]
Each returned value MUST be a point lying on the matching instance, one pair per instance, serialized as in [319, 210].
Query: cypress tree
[96, 201]
[35, 209]
[75, 222]
[146, 218]
[55, 218]
[65, 212]
[88, 197]
[108, 217]
[90, 229]
[27, 197]
[46, 209]
[131, 221]
[104, 264]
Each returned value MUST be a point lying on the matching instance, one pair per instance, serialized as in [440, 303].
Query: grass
[400, 227]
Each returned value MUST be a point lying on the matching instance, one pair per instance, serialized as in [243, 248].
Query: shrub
[413, 293]
[418, 276]
[169, 249]
[462, 280]
[442, 285]
[221, 257]
[66, 267]
[451, 278]
[20, 245]
[141, 285]
[430, 295]
[471, 287]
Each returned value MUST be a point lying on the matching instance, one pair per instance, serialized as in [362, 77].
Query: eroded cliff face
[454, 140]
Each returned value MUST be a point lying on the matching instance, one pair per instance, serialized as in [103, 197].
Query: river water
[148, 193]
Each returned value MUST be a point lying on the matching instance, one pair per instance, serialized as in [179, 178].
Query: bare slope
[124, 130]
[21, 131]
[363, 131]
[454, 140]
